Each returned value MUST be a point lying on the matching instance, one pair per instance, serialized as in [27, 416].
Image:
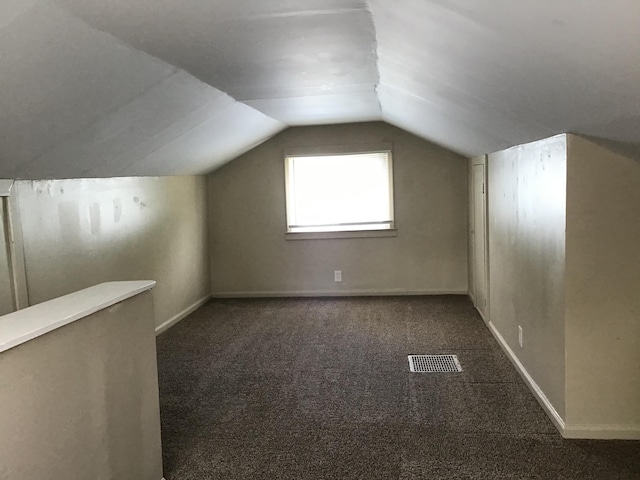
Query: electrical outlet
[337, 275]
[520, 335]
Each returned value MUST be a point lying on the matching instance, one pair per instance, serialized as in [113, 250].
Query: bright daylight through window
[339, 193]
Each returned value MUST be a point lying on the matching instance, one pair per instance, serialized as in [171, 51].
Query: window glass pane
[338, 192]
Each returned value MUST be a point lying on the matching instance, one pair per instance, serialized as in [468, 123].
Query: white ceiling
[149, 87]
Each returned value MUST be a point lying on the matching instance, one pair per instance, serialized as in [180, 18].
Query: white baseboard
[567, 430]
[179, 316]
[602, 432]
[335, 293]
[533, 386]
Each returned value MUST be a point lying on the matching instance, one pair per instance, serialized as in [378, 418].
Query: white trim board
[5, 187]
[533, 386]
[567, 430]
[602, 432]
[181, 315]
[334, 293]
[24, 325]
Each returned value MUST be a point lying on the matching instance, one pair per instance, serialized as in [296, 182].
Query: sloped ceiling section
[77, 102]
[148, 87]
[298, 61]
[482, 76]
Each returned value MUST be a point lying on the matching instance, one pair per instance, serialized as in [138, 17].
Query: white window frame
[386, 230]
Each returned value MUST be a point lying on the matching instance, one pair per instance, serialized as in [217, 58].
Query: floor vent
[434, 363]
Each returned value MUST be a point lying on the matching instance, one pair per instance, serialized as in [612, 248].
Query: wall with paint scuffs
[527, 190]
[81, 232]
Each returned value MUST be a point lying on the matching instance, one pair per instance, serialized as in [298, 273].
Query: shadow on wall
[629, 150]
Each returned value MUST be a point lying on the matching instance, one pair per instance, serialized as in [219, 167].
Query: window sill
[348, 234]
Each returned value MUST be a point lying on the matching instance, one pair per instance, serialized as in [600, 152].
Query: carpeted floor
[307, 389]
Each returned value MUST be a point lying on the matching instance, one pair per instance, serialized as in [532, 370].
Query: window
[345, 192]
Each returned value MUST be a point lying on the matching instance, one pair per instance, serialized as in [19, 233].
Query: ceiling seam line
[376, 86]
[64, 140]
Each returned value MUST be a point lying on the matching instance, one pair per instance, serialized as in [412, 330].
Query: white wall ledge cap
[5, 187]
[19, 327]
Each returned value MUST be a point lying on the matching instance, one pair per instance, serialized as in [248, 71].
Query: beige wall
[249, 253]
[603, 287]
[78, 233]
[81, 402]
[527, 189]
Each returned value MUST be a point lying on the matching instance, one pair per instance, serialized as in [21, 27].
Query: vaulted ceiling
[162, 87]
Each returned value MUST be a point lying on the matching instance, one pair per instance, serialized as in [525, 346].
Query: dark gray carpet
[307, 389]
